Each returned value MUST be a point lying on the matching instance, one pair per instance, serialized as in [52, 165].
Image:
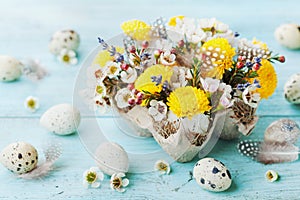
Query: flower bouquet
[179, 82]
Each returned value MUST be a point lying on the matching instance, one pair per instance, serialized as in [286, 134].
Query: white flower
[226, 99]
[162, 166]
[100, 89]
[100, 104]
[68, 57]
[122, 97]
[198, 124]
[31, 103]
[158, 110]
[129, 76]
[179, 77]
[206, 23]
[118, 182]
[167, 58]
[92, 177]
[250, 97]
[210, 85]
[112, 69]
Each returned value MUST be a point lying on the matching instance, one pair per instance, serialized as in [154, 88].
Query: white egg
[111, 158]
[19, 157]
[64, 39]
[212, 175]
[282, 130]
[10, 68]
[288, 35]
[62, 119]
[292, 89]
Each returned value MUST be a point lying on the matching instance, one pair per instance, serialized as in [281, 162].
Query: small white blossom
[100, 89]
[158, 110]
[92, 177]
[167, 58]
[129, 76]
[31, 103]
[118, 182]
[112, 69]
[68, 57]
[162, 167]
[250, 97]
[210, 85]
[226, 99]
[122, 97]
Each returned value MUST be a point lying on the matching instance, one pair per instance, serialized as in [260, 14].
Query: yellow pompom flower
[218, 55]
[188, 101]
[262, 45]
[267, 79]
[104, 56]
[144, 81]
[136, 29]
[173, 20]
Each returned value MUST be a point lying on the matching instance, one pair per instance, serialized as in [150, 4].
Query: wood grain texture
[25, 29]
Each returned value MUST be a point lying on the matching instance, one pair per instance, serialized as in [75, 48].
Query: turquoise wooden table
[25, 30]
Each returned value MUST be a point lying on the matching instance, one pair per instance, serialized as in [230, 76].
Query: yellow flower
[145, 83]
[188, 101]
[262, 45]
[136, 29]
[218, 54]
[104, 56]
[173, 20]
[267, 79]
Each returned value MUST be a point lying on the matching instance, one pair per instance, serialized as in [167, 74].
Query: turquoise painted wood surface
[25, 29]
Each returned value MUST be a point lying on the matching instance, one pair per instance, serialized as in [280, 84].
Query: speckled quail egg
[212, 175]
[111, 158]
[292, 89]
[10, 68]
[19, 157]
[61, 119]
[282, 130]
[64, 39]
[288, 35]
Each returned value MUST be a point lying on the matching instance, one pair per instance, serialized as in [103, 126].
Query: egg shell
[10, 68]
[212, 175]
[64, 39]
[292, 89]
[282, 130]
[288, 35]
[19, 157]
[111, 158]
[61, 119]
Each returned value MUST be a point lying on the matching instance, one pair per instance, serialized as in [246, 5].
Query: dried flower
[250, 97]
[167, 58]
[145, 83]
[92, 177]
[118, 182]
[267, 79]
[271, 175]
[105, 56]
[112, 69]
[209, 84]
[123, 97]
[136, 29]
[129, 76]
[31, 103]
[158, 110]
[162, 166]
[188, 101]
[68, 57]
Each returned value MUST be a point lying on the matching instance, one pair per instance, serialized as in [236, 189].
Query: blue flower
[156, 79]
[104, 44]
